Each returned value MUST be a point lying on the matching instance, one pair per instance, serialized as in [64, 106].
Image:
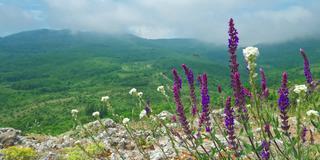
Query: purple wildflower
[265, 153]
[148, 108]
[205, 115]
[303, 134]
[267, 129]
[180, 110]
[246, 92]
[264, 89]
[177, 79]
[233, 44]
[190, 78]
[174, 118]
[229, 124]
[219, 88]
[240, 101]
[307, 71]
[283, 103]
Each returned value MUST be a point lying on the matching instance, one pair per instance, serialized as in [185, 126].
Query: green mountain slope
[46, 73]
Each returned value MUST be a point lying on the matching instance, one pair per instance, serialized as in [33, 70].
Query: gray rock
[157, 155]
[109, 123]
[165, 115]
[9, 137]
[50, 156]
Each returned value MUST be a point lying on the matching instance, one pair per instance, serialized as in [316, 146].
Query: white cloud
[257, 21]
[13, 19]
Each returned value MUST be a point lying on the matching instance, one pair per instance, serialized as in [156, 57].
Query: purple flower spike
[180, 110]
[283, 103]
[233, 44]
[229, 124]
[264, 89]
[265, 153]
[200, 81]
[267, 129]
[307, 71]
[219, 88]
[239, 95]
[148, 108]
[246, 92]
[303, 134]
[190, 78]
[176, 77]
[174, 118]
[205, 115]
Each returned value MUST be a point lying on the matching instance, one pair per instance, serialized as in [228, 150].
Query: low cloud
[257, 21]
[14, 19]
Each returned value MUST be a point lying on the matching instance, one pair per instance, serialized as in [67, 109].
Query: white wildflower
[96, 114]
[140, 94]
[125, 120]
[143, 113]
[133, 91]
[248, 105]
[105, 98]
[250, 52]
[313, 112]
[74, 112]
[161, 89]
[300, 88]
[298, 101]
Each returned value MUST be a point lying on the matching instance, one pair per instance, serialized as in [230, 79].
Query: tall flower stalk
[307, 72]
[250, 54]
[179, 106]
[240, 101]
[264, 88]
[205, 115]
[265, 153]
[177, 78]
[190, 78]
[229, 124]
[233, 44]
[283, 104]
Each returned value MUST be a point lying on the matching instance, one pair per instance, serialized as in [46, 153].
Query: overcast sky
[256, 20]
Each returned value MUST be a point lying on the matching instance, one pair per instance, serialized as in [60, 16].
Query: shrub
[19, 153]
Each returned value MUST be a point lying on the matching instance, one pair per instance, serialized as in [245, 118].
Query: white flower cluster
[140, 94]
[161, 90]
[143, 113]
[300, 88]
[105, 99]
[313, 113]
[74, 112]
[125, 120]
[134, 92]
[250, 54]
[96, 114]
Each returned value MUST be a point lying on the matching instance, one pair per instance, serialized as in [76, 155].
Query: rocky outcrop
[9, 137]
